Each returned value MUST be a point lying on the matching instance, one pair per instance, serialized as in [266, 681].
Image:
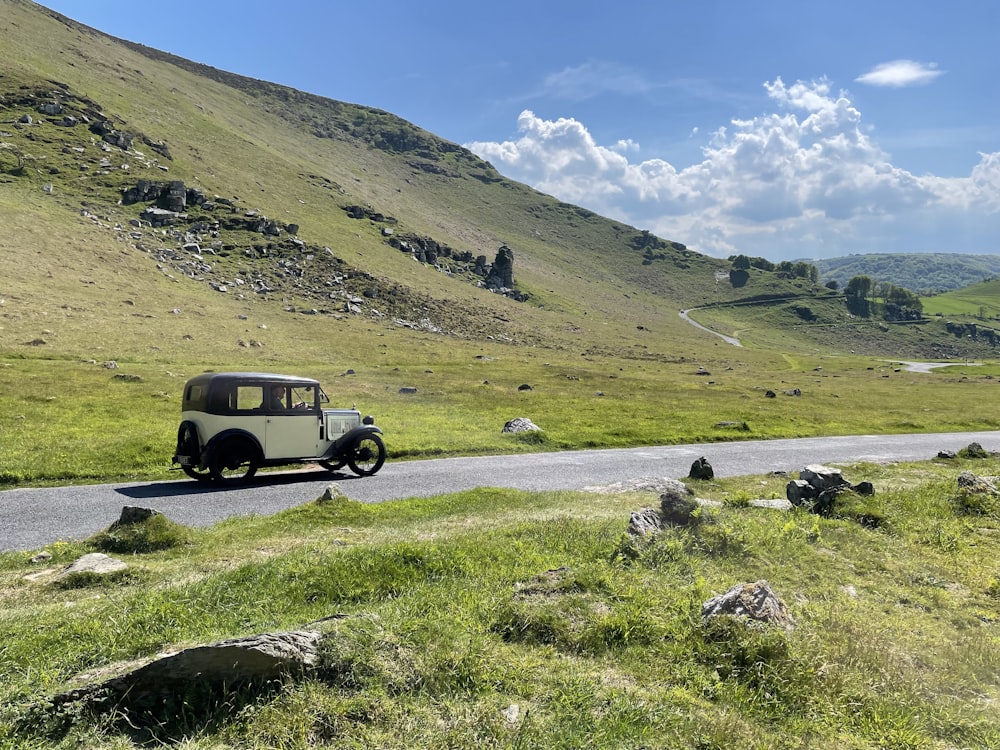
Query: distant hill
[924, 273]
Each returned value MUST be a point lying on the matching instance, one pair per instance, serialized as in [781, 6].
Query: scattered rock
[333, 493]
[753, 601]
[645, 522]
[701, 469]
[96, 563]
[520, 424]
[818, 486]
[678, 507]
[132, 514]
[969, 482]
[225, 667]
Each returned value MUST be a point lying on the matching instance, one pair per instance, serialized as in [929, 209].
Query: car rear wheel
[202, 475]
[234, 460]
[367, 455]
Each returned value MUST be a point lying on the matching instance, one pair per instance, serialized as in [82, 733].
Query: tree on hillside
[899, 303]
[858, 293]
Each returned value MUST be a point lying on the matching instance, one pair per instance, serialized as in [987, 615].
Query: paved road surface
[32, 518]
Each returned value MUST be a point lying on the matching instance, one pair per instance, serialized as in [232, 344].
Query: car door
[294, 432]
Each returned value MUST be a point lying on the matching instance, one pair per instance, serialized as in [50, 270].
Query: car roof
[221, 378]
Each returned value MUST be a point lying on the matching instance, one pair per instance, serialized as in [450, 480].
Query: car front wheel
[367, 455]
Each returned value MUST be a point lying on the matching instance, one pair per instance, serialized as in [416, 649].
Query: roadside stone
[701, 469]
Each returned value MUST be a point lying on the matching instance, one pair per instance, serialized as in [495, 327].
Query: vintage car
[233, 423]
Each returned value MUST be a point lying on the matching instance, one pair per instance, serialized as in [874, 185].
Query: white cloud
[804, 181]
[900, 73]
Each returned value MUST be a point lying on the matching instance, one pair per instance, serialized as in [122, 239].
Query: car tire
[234, 460]
[367, 455]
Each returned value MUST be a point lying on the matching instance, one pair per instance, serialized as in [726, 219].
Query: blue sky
[779, 129]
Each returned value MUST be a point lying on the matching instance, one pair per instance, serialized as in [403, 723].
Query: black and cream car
[233, 423]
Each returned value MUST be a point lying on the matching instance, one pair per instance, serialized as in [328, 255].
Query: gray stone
[95, 563]
[225, 665]
[132, 514]
[520, 424]
[753, 601]
[645, 522]
[678, 508]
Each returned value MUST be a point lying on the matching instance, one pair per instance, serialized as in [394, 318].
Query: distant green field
[978, 301]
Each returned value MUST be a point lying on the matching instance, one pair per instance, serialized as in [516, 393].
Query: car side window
[249, 397]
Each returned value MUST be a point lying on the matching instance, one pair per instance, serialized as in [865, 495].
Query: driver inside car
[275, 400]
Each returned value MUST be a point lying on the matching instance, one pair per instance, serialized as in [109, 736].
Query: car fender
[218, 439]
[187, 446]
[349, 438]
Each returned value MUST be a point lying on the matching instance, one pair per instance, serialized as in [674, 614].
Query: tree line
[863, 296]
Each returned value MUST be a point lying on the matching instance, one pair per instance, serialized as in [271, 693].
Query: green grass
[495, 618]
[74, 421]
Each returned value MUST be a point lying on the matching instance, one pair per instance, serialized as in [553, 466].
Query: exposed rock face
[132, 514]
[501, 275]
[969, 482]
[678, 509]
[645, 522]
[753, 601]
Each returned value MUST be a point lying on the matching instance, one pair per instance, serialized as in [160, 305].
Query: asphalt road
[32, 518]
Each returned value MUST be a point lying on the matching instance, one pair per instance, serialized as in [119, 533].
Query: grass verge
[495, 618]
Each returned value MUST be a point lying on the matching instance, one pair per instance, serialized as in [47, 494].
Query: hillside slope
[121, 113]
[138, 186]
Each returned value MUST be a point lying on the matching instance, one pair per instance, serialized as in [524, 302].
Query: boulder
[96, 563]
[678, 507]
[645, 522]
[520, 424]
[223, 666]
[701, 469]
[752, 601]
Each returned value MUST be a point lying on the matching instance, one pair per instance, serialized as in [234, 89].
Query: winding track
[32, 518]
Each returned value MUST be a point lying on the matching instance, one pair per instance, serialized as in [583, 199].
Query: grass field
[503, 619]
